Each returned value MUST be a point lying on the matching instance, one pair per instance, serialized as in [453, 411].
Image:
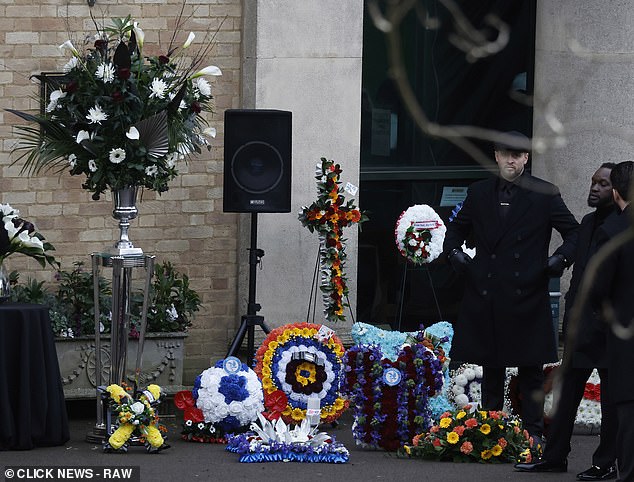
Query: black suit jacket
[614, 287]
[505, 317]
[588, 345]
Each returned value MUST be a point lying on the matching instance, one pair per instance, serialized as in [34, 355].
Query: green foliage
[172, 301]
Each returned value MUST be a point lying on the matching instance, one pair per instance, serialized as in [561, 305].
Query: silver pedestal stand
[122, 265]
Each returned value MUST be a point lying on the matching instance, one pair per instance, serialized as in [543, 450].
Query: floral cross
[328, 216]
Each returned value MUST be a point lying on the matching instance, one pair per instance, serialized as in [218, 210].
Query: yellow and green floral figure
[136, 416]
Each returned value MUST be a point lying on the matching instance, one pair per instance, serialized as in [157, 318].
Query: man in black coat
[612, 295]
[585, 350]
[505, 318]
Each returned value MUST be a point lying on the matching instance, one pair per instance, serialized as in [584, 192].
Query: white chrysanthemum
[117, 156]
[92, 165]
[171, 159]
[216, 406]
[158, 88]
[96, 115]
[151, 170]
[70, 65]
[105, 72]
[203, 87]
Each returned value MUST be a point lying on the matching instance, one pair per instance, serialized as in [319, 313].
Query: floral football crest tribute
[226, 398]
[328, 216]
[390, 398]
[419, 234]
[118, 116]
[136, 417]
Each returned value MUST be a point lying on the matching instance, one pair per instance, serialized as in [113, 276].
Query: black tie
[505, 195]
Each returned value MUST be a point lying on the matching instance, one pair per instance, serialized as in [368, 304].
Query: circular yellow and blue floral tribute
[297, 362]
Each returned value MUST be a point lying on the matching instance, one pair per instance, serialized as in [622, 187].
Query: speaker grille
[257, 167]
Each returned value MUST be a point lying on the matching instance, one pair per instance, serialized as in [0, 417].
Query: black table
[32, 407]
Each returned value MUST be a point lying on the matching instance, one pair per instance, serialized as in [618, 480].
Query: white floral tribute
[420, 234]
[466, 385]
[589, 411]
[223, 395]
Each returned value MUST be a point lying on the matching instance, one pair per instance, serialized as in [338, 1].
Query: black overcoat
[505, 317]
[615, 282]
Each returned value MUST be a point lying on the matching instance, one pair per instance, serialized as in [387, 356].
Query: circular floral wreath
[419, 234]
[299, 361]
[232, 400]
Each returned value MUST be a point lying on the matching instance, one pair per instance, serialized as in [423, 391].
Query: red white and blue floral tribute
[225, 399]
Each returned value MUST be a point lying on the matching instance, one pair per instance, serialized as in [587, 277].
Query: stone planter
[162, 363]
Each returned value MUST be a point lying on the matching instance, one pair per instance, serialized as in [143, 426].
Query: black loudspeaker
[257, 162]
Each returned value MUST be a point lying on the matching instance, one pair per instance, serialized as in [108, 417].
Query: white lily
[140, 35]
[209, 70]
[189, 40]
[82, 136]
[133, 133]
[68, 45]
[209, 132]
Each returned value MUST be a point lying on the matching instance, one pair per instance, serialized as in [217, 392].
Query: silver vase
[124, 210]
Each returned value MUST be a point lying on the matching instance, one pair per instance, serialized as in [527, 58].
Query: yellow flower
[483, 413]
[298, 414]
[452, 437]
[287, 411]
[460, 415]
[408, 451]
[121, 435]
[273, 345]
[496, 450]
[485, 429]
[486, 454]
[116, 392]
[154, 437]
[308, 332]
[445, 422]
[267, 383]
[266, 371]
[155, 390]
[339, 403]
[306, 373]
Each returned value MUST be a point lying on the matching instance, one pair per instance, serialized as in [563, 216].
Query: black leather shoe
[598, 473]
[543, 466]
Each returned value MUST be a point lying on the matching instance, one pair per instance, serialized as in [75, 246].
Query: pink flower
[466, 448]
[470, 423]
[459, 430]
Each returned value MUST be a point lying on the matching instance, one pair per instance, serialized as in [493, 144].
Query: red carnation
[123, 74]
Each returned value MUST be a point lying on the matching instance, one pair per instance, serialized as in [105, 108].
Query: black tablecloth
[32, 408]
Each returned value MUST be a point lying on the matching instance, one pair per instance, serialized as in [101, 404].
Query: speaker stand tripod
[251, 319]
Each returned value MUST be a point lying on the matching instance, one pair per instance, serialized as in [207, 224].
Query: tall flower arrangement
[120, 117]
[328, 215]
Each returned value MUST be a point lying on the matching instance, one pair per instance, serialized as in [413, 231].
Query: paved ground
[192, 461]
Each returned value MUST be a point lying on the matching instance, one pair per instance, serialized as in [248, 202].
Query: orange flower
[470, 423]
[466, 447]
